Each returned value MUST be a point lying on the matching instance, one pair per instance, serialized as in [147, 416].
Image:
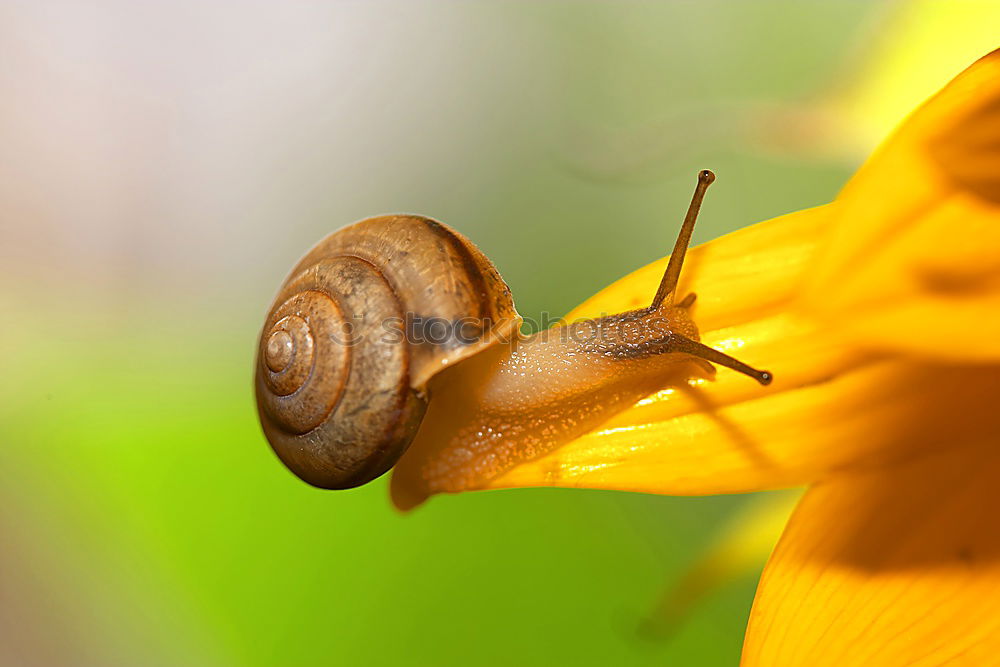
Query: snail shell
[345, 354]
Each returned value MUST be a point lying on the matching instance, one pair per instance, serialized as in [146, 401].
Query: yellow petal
[911, 260]
[898, 566]
[871, 415]
[829, 407]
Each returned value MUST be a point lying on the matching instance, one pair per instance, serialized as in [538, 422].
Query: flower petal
[730, 440]
[829, 407]
[891, 567]
[912, 258]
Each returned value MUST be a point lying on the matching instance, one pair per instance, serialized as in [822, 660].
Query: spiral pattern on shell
[341, 385]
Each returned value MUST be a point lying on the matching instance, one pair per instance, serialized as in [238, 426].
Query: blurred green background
[162, 168]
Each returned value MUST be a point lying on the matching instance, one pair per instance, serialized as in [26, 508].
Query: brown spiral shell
[341, 371]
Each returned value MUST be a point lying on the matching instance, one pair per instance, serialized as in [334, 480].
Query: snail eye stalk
[665, 294]
[668, 285]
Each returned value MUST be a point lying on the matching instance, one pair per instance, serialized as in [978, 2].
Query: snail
[397, 333]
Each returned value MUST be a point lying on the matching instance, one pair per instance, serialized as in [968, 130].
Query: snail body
[520, 400]
[397, 332]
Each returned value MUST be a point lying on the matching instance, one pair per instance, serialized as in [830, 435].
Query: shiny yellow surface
[867, 415]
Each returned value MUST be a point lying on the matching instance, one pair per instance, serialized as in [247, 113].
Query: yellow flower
[879, 315]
